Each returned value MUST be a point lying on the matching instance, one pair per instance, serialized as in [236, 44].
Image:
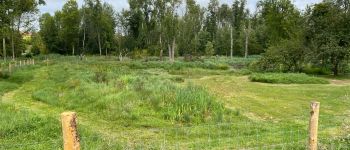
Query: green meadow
[216, 103]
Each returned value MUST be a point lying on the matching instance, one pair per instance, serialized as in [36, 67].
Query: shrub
[286, 78]
[209, 49]
[4, 74]
[100, 77]
[316, 71]
[287, 56]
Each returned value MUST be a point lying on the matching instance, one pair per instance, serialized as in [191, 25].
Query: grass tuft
[286, 78]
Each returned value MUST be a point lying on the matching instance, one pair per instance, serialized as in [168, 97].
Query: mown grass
[286, 78]
[158, 105]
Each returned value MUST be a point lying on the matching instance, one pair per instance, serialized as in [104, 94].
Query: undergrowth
[286, 78]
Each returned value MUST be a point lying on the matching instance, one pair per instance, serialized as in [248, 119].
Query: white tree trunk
[231, 36]
[161, 48]
[173, 50]
[170, 55]
[4, 47]
[247, 39]
[73, 50]
[84, 39]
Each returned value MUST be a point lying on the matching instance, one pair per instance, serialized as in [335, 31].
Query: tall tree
[171, 27]
[212, 18]
[280, 18]
[49, 32]
[328, 29]
[191, 24]
[70, 22]
[19, 10]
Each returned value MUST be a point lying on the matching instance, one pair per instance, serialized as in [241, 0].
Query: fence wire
[248, 135]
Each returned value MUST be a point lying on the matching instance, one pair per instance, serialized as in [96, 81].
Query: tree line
[16, 16]
[288, 39]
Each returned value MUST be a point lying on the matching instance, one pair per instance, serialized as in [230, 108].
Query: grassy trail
[21, 99]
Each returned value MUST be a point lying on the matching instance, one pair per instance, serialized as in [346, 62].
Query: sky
[54, 5]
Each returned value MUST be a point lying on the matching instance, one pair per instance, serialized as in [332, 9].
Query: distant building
[27, 35]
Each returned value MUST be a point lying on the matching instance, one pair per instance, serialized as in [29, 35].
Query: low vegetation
[170, 74]
[144, 104]
[286, 78]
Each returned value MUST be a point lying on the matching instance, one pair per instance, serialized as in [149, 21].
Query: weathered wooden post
[313, 125]
[69, 128]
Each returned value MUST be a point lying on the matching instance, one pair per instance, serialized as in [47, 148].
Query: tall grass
[286, 78]
[126, 95]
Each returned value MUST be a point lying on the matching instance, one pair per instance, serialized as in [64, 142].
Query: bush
[101, 77]
[286, 56]
[286, 78]
[316, 71]
[4, 74]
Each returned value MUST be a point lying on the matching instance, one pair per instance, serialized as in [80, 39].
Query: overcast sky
[54, 5]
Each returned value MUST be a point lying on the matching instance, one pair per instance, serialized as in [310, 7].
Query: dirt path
[340, 82]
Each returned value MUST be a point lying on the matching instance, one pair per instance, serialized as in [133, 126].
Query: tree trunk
[84, 39]
[246, 45]
[99, 43]
[120, 55]
[106, 52]
[161, 48]
[336, 69]
[13, 45]
[170, 55]
[231, 36]
[73, 50]
[4, 48]
[247, 40]
[173, 50]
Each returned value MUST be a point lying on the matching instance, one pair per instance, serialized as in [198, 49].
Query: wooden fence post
[313, 125]
[69, 128]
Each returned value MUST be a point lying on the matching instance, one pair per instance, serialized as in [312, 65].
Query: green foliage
[281, 19]
[286, 78]
[140, 54]
[4, 74]
[6, 86]
[316, 70]
[175, 104]
[286, 56]
[70, 25]
[209, 49]
[38, 45]
[101, 77]
[328, 31]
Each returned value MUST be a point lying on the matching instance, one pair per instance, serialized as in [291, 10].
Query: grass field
[209, 104]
